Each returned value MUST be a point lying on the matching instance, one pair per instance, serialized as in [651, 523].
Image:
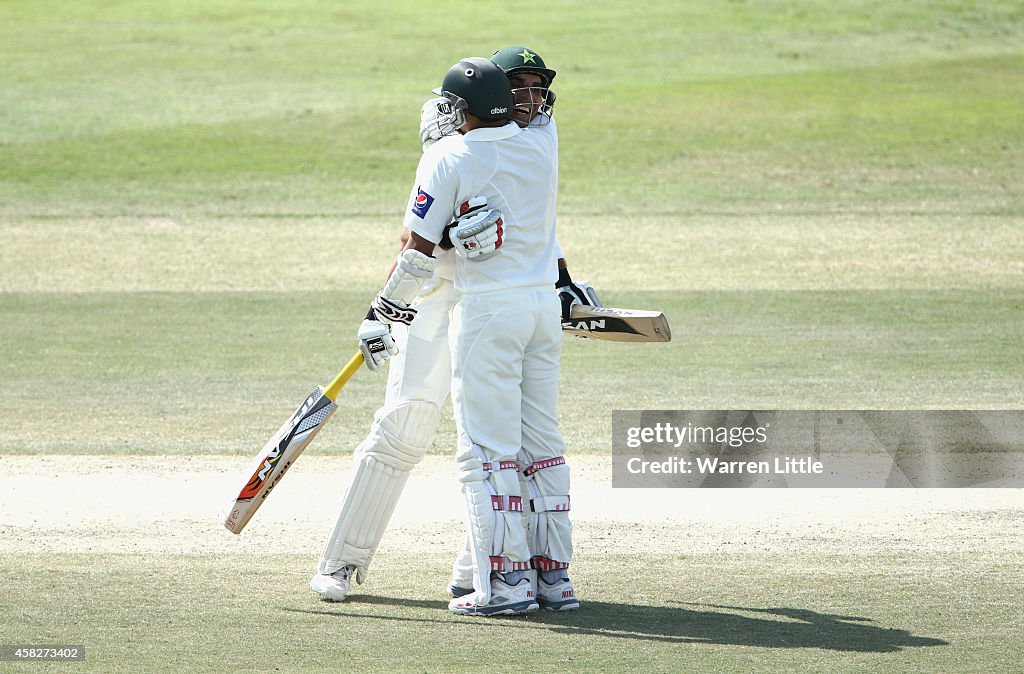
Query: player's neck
[473, 122]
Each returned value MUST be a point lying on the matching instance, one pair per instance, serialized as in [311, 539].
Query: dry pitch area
[169, 505]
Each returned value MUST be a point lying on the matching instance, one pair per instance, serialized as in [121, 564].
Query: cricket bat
[618, 325]
[285, 447]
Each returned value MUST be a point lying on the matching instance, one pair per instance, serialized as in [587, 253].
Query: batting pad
[398, 440]
[497, 536]
[545, 486]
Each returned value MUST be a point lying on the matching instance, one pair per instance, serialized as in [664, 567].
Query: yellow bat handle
[334, 388]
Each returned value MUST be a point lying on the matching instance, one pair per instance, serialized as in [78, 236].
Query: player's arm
[423, 224]
[573, 293]
[472, 234]
[393, 304]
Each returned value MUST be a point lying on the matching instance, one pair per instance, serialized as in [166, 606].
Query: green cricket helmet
[534, 105]
[522, 60]
[477, 86]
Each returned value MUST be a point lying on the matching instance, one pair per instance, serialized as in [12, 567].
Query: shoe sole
[487, 611]
[560, 606]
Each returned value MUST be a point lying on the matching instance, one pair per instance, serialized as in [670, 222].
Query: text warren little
[707, 465]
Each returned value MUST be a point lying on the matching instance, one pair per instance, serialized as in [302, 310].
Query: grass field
[809, 623]
[197, 200]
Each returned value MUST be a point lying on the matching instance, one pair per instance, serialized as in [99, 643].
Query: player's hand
[576, 292]
[439, 118]
[478, 236]
[376, 342]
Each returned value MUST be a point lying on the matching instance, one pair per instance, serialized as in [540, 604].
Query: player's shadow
[738, 626]
[683, 623]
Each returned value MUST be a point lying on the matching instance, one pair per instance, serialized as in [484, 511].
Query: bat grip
[334, 388]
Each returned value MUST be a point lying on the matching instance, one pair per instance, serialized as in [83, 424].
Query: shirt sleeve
[432, 200]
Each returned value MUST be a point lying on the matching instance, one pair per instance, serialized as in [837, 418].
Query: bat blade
[280, 453]
[277, 457]
[618, 325]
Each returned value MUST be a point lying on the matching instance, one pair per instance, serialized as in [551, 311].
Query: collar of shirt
[493, 132]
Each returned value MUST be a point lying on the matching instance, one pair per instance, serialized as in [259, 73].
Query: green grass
[194, 373]
[259, 108]
[678, 613]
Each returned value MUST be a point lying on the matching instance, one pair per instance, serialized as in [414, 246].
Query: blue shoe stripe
[518, 607]
[559, 605]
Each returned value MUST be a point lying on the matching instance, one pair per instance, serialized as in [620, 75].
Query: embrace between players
[474, 305]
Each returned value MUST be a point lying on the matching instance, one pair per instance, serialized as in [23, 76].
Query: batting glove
[476, 233]
[576, 292]
[391, 311]
[376, 342]
[478, 236]
[439, 118]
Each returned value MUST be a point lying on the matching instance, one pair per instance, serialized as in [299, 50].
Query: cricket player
[419, 380]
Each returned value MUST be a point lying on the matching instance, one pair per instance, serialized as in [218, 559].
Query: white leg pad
[462, 569]
[398, 440]
[546, 512]
[497, 537]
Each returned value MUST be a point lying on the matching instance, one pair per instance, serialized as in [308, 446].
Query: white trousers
[506, 347]
[505, 368]
[421, 370]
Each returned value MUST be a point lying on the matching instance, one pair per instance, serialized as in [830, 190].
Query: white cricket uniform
[419, 379]
[420, 374]
[505, 344]
[422, 368]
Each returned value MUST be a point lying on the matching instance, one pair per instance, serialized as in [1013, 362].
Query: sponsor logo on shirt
[422, 203]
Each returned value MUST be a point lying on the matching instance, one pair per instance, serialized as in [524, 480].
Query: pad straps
[542, 563]
[541, 465]
[541, 504]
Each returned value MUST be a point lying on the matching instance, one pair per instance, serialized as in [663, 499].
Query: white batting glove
[439, 118]
[376, 343]
[392, 311]
[478, 236]
[476, 233]
[576, 292]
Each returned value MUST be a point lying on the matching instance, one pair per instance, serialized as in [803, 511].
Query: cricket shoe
[555, 591]
[511, 594]
[333, 586]
[457, 591]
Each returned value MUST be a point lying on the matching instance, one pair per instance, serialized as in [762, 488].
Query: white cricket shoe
[556, 593]
[510, 597]
[333, 586]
